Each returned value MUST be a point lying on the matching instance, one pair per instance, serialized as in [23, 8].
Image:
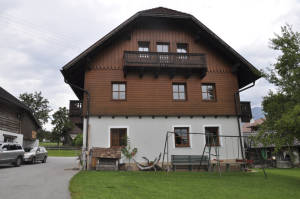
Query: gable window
[143, 46]
[118, 137]
[182, 48]
[118, 91]
[212, 136]
[208, 92]
[163, 48]
[182, 137]
[179, 91]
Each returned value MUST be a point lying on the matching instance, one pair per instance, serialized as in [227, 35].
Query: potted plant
[128, 152]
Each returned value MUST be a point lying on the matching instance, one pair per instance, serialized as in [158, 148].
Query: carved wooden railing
[167, 60]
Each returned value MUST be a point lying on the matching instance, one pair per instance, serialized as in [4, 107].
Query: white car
[36, 154]
[11, 153]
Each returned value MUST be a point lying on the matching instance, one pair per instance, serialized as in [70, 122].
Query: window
[212, 136]
[182, 138]
[143, 46]
[208, 92]
[182, 48]
[162, 47]
[118, 91]
[179, 92]
[118, 137]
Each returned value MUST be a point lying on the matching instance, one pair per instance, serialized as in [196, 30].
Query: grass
[63, 153]
[281, 183]
[46, 144]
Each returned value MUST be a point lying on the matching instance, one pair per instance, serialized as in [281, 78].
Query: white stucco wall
[18, 139]
[148, 134]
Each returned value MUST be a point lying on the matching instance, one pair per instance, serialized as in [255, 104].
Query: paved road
[43, 181]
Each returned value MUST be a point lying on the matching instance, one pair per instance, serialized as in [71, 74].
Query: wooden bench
[188, 160]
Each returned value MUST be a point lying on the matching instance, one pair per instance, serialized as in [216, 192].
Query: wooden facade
[149, 95]
[15, 117]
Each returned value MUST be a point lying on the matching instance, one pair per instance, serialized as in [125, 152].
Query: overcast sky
[38, 37]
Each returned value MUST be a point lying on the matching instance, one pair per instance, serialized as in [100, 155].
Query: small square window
[208, 92]
[143, 46]
[179, 91]
[182, 48]
[118, 91]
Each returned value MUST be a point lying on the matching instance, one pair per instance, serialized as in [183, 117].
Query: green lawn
[282, 184]
[45, 144]
[63, 153]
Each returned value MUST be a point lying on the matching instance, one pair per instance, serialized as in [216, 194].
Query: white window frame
[220, 133]
[116, 127]
[173, 136]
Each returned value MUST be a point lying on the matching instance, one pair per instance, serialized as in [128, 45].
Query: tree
[38, 104]
[282, 125]
[78, 141]
[62, 125]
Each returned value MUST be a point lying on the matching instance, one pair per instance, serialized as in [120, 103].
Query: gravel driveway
[43, 181]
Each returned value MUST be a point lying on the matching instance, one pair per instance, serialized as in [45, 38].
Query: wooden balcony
[171, 63]
[75, 112]
[75, 108]
[245, 111]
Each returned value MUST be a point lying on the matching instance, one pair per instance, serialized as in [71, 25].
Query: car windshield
[33, 149]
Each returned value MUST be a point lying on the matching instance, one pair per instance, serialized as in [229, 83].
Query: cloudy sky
[38, 37]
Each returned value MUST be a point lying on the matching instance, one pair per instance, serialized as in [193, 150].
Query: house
[161, 70]
[17, 123]
[262, 155]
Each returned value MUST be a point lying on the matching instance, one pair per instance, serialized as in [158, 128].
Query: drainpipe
[238, 117]
[84, 149]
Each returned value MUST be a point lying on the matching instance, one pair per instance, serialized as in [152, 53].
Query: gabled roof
[246, 71]
[9, 98]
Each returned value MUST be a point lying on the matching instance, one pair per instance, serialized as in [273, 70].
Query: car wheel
[45, 159]
[33, 161]
[18, 162]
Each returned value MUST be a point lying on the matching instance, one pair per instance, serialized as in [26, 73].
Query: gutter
[85, 149]
[238, 117]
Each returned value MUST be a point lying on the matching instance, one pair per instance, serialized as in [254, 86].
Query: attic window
[143, 46]
[182, 48]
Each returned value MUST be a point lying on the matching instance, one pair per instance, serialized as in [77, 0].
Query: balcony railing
[75, 108]
[164, 60]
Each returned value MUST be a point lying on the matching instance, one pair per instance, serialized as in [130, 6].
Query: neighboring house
[265, 155]
[161, 70]
[17, 124]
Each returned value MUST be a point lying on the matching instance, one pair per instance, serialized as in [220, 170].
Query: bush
[78, 141]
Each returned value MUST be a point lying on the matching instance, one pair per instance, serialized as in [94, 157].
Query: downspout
[85, 149]
[238, 117]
